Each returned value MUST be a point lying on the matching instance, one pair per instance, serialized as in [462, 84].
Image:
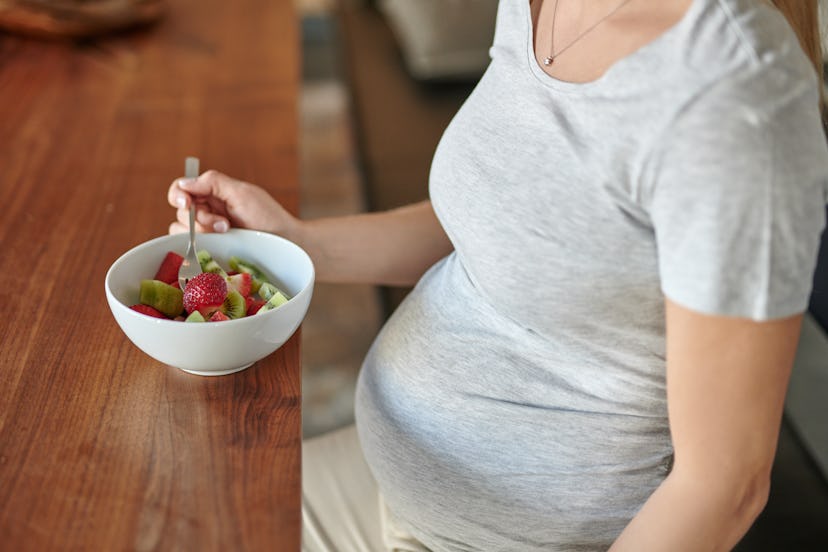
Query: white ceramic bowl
[213, 348]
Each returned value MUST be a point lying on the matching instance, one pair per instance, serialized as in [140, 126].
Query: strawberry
[254, 305]
[241, 282]
[205, 293]
[168, 271]
[218, 316]
[148, 310]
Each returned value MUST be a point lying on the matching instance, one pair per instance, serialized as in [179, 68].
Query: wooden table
[101, 447]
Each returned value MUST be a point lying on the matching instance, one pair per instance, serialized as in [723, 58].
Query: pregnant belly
[473, 441]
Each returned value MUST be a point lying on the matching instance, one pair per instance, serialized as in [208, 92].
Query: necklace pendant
[549, 61]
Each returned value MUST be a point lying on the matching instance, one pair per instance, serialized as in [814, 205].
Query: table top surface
[102, 447]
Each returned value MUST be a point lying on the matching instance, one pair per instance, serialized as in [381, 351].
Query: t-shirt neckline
[616, 69]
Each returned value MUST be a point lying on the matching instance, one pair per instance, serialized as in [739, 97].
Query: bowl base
[217, 372]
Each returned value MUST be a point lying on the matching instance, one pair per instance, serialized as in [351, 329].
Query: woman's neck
[589, 37]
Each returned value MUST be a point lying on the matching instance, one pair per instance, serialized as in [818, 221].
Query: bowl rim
[116, 303]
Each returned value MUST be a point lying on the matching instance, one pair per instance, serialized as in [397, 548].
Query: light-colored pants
[342, 510]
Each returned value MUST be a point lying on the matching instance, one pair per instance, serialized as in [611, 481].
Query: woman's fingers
[177, 228]
[206, 221]
[220, 199]
[177, 197]
[209, 184]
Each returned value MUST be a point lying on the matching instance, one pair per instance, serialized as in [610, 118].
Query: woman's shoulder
[741, 61]
[737, 38]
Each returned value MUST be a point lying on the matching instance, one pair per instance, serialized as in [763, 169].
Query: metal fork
[190, 267]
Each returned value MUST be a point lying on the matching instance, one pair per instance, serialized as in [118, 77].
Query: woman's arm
[393, 247]
[726, 384]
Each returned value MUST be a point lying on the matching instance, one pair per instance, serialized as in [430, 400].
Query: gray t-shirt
[516, 399]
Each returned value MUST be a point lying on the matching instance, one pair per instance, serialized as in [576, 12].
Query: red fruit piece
[205, 293]
[148, 310]
[218, 316]
[241, 282]
[254, 306]
[168, 271]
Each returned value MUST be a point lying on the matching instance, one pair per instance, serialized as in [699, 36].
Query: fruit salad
[212, 296]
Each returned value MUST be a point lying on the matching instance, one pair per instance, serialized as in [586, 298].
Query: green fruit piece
[162, 297]
[273, 303]
[240, 265]
[268, 290]
[234, 304]
[195, 316]
[208, 264]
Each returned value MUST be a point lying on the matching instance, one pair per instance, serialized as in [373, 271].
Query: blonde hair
[803, 16]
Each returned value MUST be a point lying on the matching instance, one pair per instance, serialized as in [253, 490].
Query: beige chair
[442, 39]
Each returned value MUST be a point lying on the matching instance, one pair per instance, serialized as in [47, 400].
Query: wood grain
[101, 447]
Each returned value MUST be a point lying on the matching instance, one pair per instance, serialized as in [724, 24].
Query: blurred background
[342, 319]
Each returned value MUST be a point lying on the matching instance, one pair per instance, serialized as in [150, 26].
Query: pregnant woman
[610, 276]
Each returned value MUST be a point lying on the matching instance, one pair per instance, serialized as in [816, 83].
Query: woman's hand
[223, 202]
[393, 247]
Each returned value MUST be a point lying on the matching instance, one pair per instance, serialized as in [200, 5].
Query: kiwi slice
[268, 290]
[162, 296]
[257, 276]
[274, 302]
[195, 316]
[234, 304]
[209, 264]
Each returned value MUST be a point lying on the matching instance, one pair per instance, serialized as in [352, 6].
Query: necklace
[550, 59]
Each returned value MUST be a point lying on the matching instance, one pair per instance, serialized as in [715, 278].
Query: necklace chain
[549, 60]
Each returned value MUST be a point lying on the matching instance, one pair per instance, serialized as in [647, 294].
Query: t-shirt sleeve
[737, 198]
